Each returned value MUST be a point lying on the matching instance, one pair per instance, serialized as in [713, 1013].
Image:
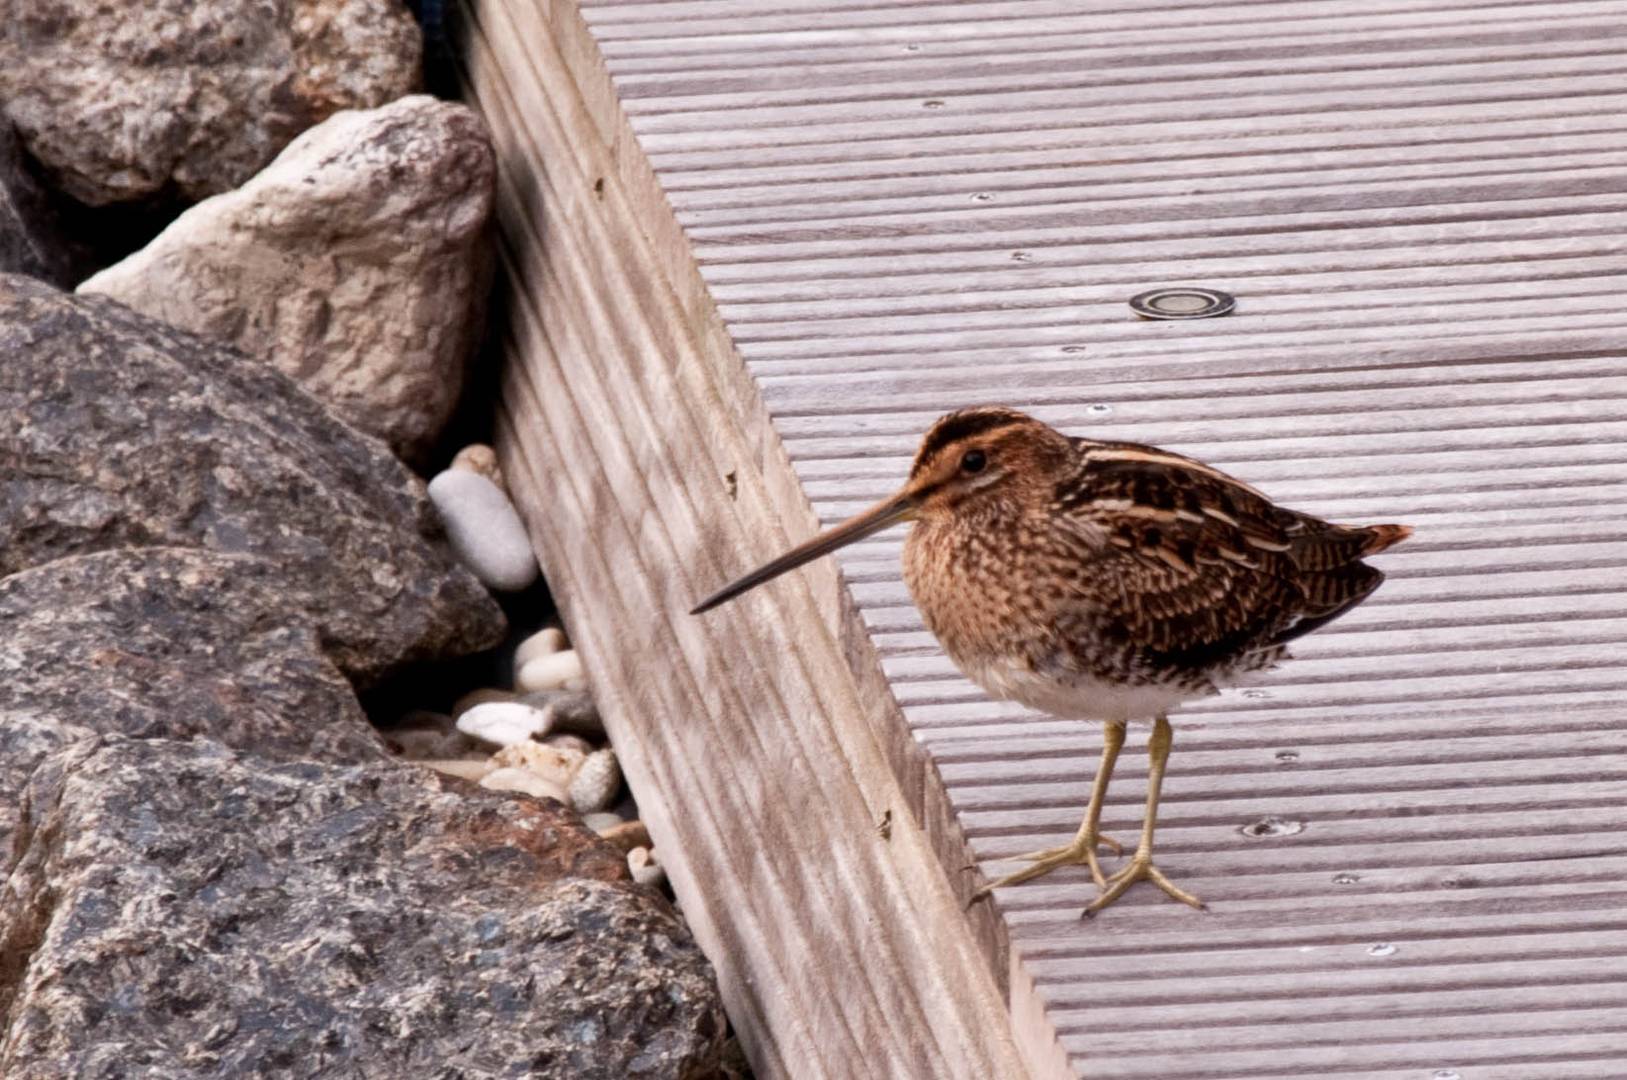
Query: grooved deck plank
[821, 225]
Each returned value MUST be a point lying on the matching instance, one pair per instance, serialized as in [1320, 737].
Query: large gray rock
[175, 910]
[121, 431]
[30, 242]
[169, 642]
[133, 101]
[357, 262]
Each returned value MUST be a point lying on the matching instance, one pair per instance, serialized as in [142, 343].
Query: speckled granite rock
[30, 242]
[176, 910]
[170, 642]
[126, 102]
[122, 431]
[357, 262]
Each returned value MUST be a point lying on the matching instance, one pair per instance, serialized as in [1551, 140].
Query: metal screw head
[1182, 302]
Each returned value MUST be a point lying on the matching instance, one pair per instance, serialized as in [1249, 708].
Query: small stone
[463, 769]
[427, 718]
[482, 696]
[596, 783]
[571, 742]
[502, 723]
[550, 639]
[602, 821]
[625, 835]
[484, 529]
[569, 712]
[555, 671]
[480, 459]
[425, 743]
[553, 764]
[646, 871]
[523, 780]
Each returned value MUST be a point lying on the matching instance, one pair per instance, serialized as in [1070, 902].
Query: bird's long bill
[900, 507]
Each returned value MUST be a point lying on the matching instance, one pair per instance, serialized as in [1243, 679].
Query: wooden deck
[755, 248]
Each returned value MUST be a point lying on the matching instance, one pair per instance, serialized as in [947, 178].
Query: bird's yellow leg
[1140, 867]
[1083, 848]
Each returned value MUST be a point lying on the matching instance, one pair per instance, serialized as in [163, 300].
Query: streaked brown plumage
[1102, 580]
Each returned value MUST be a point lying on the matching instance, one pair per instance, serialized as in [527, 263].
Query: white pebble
[484, 529]
[646, 871]
[482, 459]
[555, 671]
[544, 642]
[597, 782]
[601, 821]
[523, 780]
[552, 763]
[502, 723]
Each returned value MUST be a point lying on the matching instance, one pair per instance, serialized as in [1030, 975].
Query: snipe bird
[1102, 581]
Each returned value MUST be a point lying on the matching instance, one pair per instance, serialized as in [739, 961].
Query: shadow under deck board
[755, 249]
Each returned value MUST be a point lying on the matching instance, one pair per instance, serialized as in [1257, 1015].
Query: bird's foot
[1139, 868]
[1082, 852]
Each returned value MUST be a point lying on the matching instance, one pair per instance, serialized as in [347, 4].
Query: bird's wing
[1205, 569]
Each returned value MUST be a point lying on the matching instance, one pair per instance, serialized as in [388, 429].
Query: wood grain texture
[762, 770]
[826, 224]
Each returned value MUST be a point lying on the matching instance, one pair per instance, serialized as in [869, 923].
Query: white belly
[1078, 697]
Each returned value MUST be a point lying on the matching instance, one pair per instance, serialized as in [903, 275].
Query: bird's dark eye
[973, 461]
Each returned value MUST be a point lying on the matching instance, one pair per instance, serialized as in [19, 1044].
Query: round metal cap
[1182, 302]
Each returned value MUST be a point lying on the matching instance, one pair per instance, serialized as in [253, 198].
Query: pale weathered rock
[357, 263]
[120, 431]
[554, 671]
[524, 781]
[482, 459]
[502, 723]
[30, 240]
[569, 742]
[178, 910]
[550, 639]
[645, 869]
[485, 530]
[626, 835]
[554, 764]
[125, 102]
[567, 712]
[597, 782]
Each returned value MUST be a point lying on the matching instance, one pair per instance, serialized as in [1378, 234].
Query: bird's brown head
[974, 457]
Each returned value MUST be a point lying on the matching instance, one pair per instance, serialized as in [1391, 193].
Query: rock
[570, 742]
[122, 432]
[358, 263]
[176, 643]
[482, 696]
[30, 239]
[178, 910]
[602, 821]
[646, 871]
[428, 744]
[136, 102]
[555, 671]
[462, 768]
[550, 639]
[596, 783]
[480, 459]
[625, 835]
[553, 764]
[502, 723]
[524, 781]
[567, 712]
[485, 530]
